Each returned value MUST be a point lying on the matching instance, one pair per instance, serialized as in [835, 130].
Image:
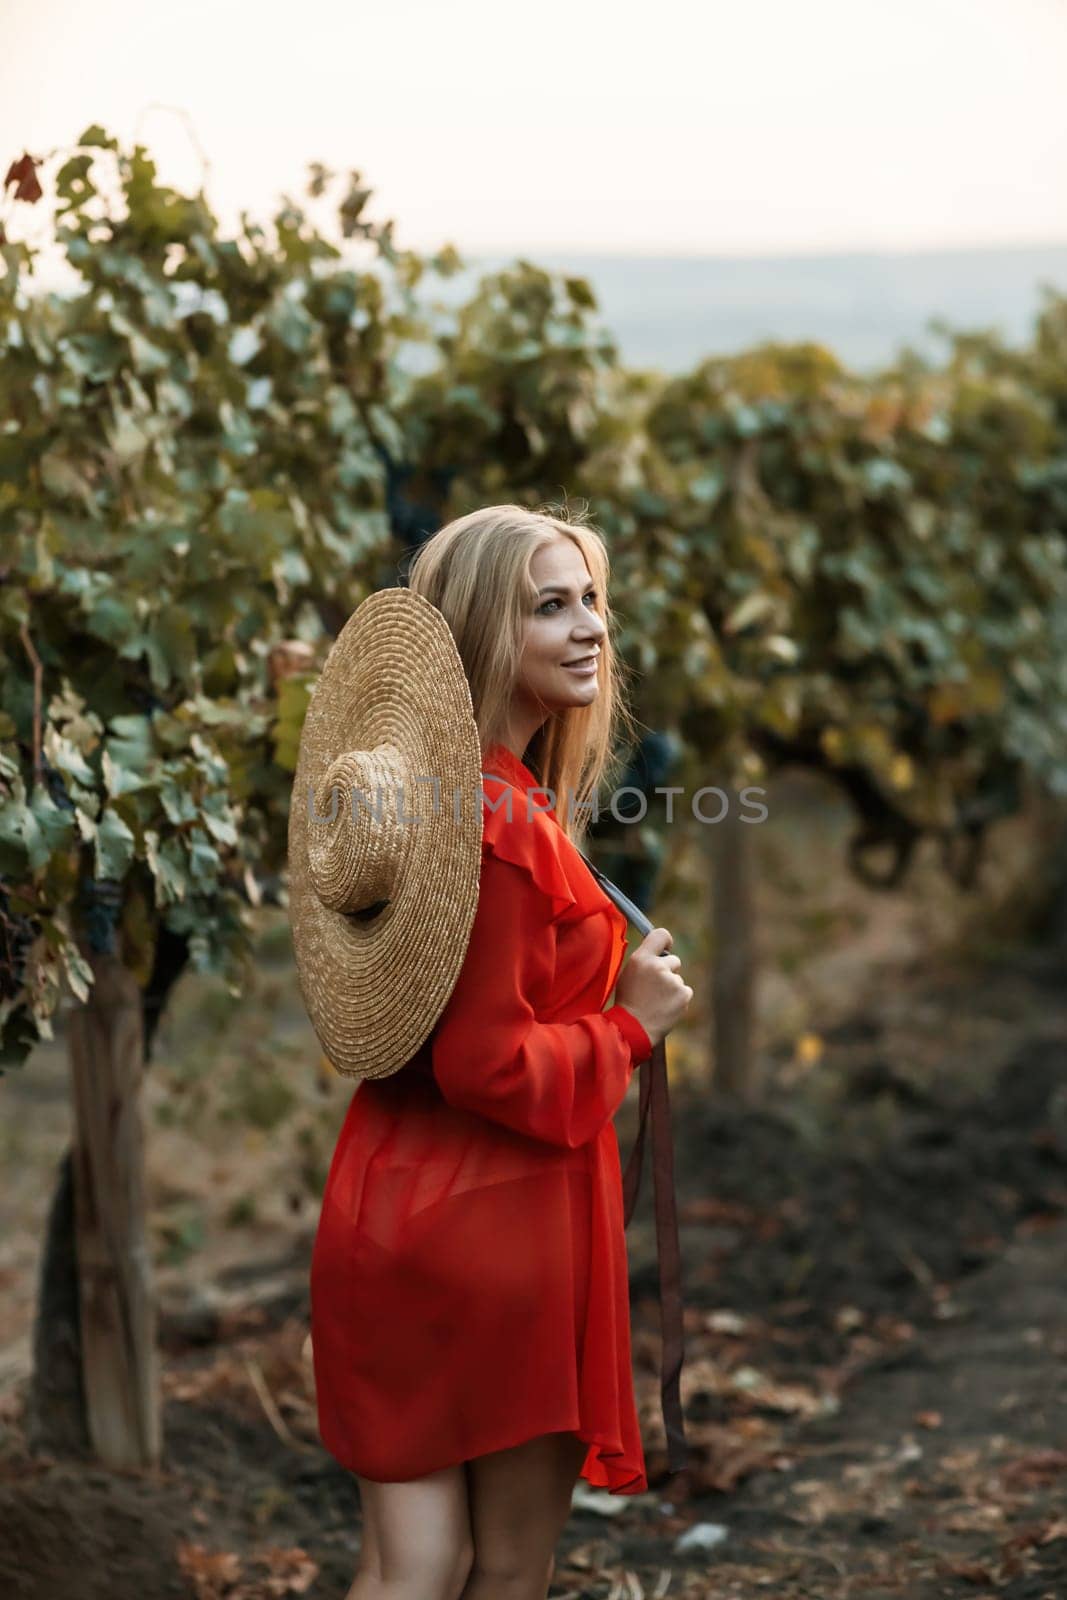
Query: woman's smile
[585, 668]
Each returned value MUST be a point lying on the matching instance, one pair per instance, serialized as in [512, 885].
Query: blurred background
[730, 174]
[777, 297]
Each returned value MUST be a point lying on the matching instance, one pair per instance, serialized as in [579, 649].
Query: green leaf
[126, 438]
[72, 180]
[129, 746]
[147, 357]
[56, 827]
[168, 869]
[95, 135]
[580, 293]
[78, 971]
[66, 756]
[203, 859]
[120, 780]
[178, 803]
[96, 356]
[64, 478]
[753, 608]
[114, 846]
[110, 617]
[707, 488]
[217, 817]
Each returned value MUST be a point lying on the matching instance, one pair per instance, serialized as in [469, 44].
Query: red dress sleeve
[491, 1053]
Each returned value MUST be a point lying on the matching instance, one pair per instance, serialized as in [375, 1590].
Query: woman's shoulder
[517, 829]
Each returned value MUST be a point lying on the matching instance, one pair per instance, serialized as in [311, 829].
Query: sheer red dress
[469, 1285]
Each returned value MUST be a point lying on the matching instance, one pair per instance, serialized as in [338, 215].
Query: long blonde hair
[476, 571]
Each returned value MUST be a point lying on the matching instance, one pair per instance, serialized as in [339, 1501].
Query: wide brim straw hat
[384, 862]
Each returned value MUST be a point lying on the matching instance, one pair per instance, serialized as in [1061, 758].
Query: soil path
[944, 1473]
[875, 1384]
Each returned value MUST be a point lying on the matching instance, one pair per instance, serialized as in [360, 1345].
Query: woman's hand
[650, 986]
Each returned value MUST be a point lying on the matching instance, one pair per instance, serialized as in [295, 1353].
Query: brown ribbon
[654, 1099]
[655, 1102]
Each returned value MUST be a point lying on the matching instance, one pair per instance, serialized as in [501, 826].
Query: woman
[469, 1294]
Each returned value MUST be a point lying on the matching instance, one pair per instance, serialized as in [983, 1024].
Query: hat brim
[374, 988]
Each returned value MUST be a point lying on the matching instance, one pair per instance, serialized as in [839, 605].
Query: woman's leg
[519, 1503]
[417, 1541]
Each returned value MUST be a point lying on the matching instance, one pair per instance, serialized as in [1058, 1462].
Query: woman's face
[561, 627]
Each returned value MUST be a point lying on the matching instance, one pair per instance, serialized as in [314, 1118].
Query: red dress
[469, 1283]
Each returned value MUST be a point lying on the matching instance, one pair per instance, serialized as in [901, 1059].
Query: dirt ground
[875, 1383]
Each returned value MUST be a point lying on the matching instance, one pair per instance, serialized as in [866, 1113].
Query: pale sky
[668, 127]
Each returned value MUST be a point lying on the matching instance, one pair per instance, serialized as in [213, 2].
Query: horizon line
[681, 253]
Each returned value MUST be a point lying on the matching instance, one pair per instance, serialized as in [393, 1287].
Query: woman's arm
[555, 1081]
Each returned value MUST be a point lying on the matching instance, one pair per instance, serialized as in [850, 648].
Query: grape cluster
[141, 698]
[17, 934]
[101, 904]
[57, 789]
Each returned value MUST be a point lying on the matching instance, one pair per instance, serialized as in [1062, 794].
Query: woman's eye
[590, 596]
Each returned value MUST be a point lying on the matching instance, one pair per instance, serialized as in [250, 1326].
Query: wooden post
[733, 929]
[117, 1312]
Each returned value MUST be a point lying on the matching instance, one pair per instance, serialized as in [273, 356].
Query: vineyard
[847, 594]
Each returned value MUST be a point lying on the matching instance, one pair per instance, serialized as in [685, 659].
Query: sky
[673, 128]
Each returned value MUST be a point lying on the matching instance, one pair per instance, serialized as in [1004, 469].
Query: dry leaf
[23, 174]
[1037, 1468]
[213, 1572]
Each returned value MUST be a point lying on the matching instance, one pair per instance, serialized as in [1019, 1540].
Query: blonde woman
[469, 1294]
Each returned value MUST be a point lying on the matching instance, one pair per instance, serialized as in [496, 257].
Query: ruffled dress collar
[500, 762]
[547, 855]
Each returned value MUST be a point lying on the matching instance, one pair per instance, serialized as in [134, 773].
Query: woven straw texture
[392, 704]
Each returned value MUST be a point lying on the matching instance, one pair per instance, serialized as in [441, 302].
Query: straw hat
[381, 907]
